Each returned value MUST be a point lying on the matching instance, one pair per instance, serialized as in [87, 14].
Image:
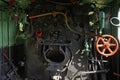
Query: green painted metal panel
[12, 32]
[1, 30]
[7, 30]
[5, 33]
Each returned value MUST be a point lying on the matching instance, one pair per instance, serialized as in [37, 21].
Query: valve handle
[107, 45]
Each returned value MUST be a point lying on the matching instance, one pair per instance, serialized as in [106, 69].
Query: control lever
[12, 71]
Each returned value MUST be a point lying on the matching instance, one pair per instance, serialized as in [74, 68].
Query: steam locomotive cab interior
[59, 40]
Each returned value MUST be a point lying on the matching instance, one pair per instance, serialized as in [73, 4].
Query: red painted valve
[38, 34]
[11, 2]
[73, 1]
[107, 45]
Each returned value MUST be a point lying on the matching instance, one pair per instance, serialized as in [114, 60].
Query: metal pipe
[54, 13]
[93, 72]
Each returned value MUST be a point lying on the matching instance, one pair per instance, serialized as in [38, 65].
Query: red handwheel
[107, 45]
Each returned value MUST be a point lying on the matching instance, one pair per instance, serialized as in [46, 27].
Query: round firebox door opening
[55, 56]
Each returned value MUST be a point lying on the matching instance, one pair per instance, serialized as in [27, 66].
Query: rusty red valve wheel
[107, 45]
